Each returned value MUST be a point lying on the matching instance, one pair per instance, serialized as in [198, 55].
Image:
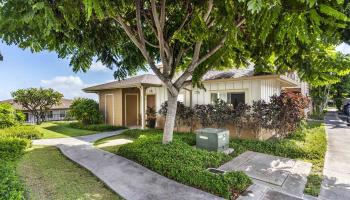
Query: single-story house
[124, 102]
[57, 112]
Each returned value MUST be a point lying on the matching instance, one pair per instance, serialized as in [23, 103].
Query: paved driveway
[336, 183]
[127, 178]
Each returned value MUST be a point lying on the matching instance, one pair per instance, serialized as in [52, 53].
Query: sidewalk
[336, 182]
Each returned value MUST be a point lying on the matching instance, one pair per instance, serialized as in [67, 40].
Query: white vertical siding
[254, 89]
[269, 87]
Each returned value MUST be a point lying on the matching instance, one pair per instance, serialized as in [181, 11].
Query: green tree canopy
[86, 111]
[192, 36]
[37, 100]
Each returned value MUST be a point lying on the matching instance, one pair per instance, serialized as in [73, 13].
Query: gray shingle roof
[153, 80]
[146, 79]
[233, 73]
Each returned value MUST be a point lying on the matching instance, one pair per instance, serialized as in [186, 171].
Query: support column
[142, 107]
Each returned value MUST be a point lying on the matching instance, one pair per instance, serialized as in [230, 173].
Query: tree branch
[179, 82]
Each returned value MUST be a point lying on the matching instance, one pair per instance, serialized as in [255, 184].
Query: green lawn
[47, 174]
[60, 130]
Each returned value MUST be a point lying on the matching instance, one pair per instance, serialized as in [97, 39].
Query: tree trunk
[170, 118]
[37, 119]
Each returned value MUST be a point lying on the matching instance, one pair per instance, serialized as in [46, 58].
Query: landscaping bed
[308, 144]
[181, 162]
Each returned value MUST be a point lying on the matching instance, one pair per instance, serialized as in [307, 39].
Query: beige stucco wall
[246, 133]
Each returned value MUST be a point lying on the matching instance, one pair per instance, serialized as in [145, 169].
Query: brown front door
[151, 101]
[109, 109]
[131, 106]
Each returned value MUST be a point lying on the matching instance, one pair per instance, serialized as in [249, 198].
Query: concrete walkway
[127, 178]
[336, 183]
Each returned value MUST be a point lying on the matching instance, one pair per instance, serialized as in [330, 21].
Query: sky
[24, 69]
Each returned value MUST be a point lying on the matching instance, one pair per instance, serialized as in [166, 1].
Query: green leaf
[325, 9]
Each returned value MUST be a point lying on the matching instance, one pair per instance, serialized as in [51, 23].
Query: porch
[125, 102]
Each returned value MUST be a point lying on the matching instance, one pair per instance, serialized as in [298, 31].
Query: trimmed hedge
[12, 148]
[27, 132]
[11, 187]
[183, 163]
[96, 127]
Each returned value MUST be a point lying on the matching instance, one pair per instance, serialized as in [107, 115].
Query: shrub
[204, 114]
[9, 116]
[288, 111]
[86, 111]
[12, 148]
[260, 117]
[10, 186]
[96, 127]
[184, 114]
[27, 132]
[240, 117]
[221, 113]
[183, 163]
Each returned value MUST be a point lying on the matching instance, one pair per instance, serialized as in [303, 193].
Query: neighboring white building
[124, 102]
[56, 113]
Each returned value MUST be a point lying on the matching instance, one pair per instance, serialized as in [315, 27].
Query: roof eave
[96, 90]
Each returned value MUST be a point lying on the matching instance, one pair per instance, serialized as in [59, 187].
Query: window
[232, 98]
[235, 98]
[62, 113]
[218, 95]
[50, 114]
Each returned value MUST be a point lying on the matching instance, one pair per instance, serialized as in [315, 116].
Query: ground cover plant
[308, 143]
[47, 174]
[180, 161]
[96, 127]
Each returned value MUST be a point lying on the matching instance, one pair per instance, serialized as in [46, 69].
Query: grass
[60, 130]
[47, 174]
[308, 144]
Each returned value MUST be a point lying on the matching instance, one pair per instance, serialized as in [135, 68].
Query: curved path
[127, 178]
[336, 181]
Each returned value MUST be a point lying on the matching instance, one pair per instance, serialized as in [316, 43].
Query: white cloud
[70, 86]
[344, 48]
[99, 67]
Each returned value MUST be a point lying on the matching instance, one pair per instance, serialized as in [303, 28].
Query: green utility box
[212, 139]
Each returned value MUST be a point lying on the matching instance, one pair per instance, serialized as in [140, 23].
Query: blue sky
[23, 69]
